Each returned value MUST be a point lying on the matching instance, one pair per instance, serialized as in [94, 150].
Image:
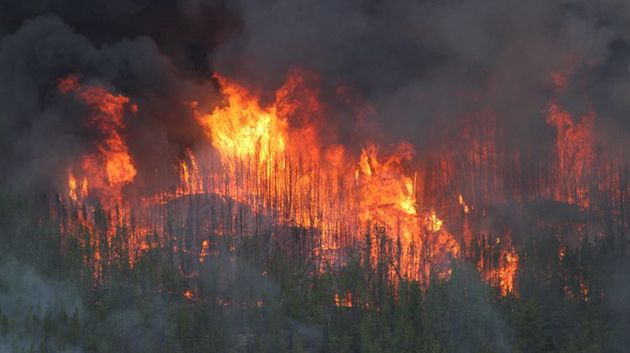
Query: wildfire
[434, 223]
[205, 246]
[274, 161]
[190, 179]
[100, 176]
[105, 172]
[268, 158]
[501, 272]
[574, 156]
[343, 301]
[508, 267]
[76, 191]
[386, 195]
[242, 129]
[465, 207]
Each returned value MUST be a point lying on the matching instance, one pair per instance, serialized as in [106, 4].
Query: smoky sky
[420, 61]
[423, 65]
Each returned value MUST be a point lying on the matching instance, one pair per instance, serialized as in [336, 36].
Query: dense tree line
[248, 296]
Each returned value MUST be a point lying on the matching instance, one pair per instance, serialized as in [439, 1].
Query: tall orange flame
[106, 171]
[574, 156]
[275, 163]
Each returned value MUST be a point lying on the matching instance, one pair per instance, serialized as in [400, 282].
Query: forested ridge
[249, 297]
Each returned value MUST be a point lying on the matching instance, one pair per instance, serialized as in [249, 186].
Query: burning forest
[295, 176]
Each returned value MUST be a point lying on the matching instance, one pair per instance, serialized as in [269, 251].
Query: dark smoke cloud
[42, 130]
[424, 65]
[155, 52]
[422, 62]
[185, 31]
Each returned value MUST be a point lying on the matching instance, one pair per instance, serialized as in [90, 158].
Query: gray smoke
[619, 305]
[26, 299]
[422, 62]
[424, 65]
[42, 129]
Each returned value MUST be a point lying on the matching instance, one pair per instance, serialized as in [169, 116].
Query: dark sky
[421, 64]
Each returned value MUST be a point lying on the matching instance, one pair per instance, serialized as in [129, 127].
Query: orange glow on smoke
[106, 171]
[102, 174]
[573, 154]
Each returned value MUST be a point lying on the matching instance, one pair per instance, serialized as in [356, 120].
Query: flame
[275, 162]
[434, 223]
[242, 129]
[387, 197]
[508, 268]
[269, 157]
[272, 160]
[190, 179]
[386, 194]
[573, 154]
[584, 290]
[102, 174]
[72, 186]
[465, 207]
[345, 301]
[500, 272]
[562, 253]
[205, 246]
[76, 191]
[106, 171]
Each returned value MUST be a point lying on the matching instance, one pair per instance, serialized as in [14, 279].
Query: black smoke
[43, 130]
[424, 65]
[421, 62]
